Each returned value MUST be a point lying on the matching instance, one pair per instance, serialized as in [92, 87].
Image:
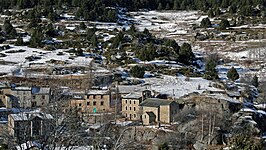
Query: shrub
[137, 71]
[232, 74]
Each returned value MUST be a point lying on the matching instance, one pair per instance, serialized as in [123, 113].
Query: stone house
[28, 125]
[156, 110]
[4, 100]
[94, 101]
[130, 104]
[32, 96]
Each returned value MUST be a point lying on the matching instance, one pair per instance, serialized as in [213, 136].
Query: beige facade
[130, 104]
[163, 110]
[93, 102]
[4, 100]
[148, 118]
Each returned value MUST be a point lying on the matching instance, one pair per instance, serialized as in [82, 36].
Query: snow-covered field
[178, 86]
[41, 57]
[166, 23]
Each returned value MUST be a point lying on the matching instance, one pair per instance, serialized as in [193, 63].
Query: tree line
[245, 7]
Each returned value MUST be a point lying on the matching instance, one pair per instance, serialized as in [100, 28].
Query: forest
[244, 6]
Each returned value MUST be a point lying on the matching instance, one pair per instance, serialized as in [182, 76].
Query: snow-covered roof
[30, 115]
[40, 90]
[98, 92]
[133, 95]
[22, 88]
[125, 89]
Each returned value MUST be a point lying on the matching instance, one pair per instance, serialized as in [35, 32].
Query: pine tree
[185, 54]
[224, 24]
[94, 41]
[160, 6]
[205, 23]
[255, 81]
[210, 13]
[19, 41]
[9, 29]
[82, 26]
[232, 74]
[210, 70]
[36, 38]
[137, 71]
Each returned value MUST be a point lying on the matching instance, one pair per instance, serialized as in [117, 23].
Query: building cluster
[18, 105]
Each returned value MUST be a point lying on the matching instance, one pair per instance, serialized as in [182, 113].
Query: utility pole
[116, 96]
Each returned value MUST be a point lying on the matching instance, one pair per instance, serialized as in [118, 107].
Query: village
[163, 80]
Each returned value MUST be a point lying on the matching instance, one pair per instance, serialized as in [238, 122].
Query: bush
[232, 74]
[224, 24]
[137, 71]
[210, 70]
[255, 81]
[205, 23]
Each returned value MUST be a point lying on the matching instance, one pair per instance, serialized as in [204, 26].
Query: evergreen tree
[147, 33]
[160, 6]
[210, 13]
[176, 5]
[82, 26]
[36, 38]
[79, 52]
[137, 71]
[217, 11]
[232, 74]
[50, 31]
[205, 23]
[224, 24]
[167, 7]
[132, 30]
[19, 41]
[210, 70]
[185, 54]
[255, 81]
[94, 41]
[9, 29]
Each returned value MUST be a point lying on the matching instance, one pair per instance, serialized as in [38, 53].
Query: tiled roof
[155, 102]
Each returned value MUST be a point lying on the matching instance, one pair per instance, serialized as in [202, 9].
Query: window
[129, 108]
[88, 96]
[33, 97]
[135, 115]
[33, 104]
[134, 108]
[130, 102]
[101, 96]
[102, 102]
[94, 103]
[134, 102]
[126, 101]
[88, 103]
[94, 96]
[43, 96]
[126, 115]
[80, 104]
[1, 92]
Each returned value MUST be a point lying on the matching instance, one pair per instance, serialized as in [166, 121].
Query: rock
[200, 146]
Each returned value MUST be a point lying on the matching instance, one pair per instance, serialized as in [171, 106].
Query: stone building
[130, 104]
[155, 111]
[94, 101]
[32, 96]
[29, 125]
